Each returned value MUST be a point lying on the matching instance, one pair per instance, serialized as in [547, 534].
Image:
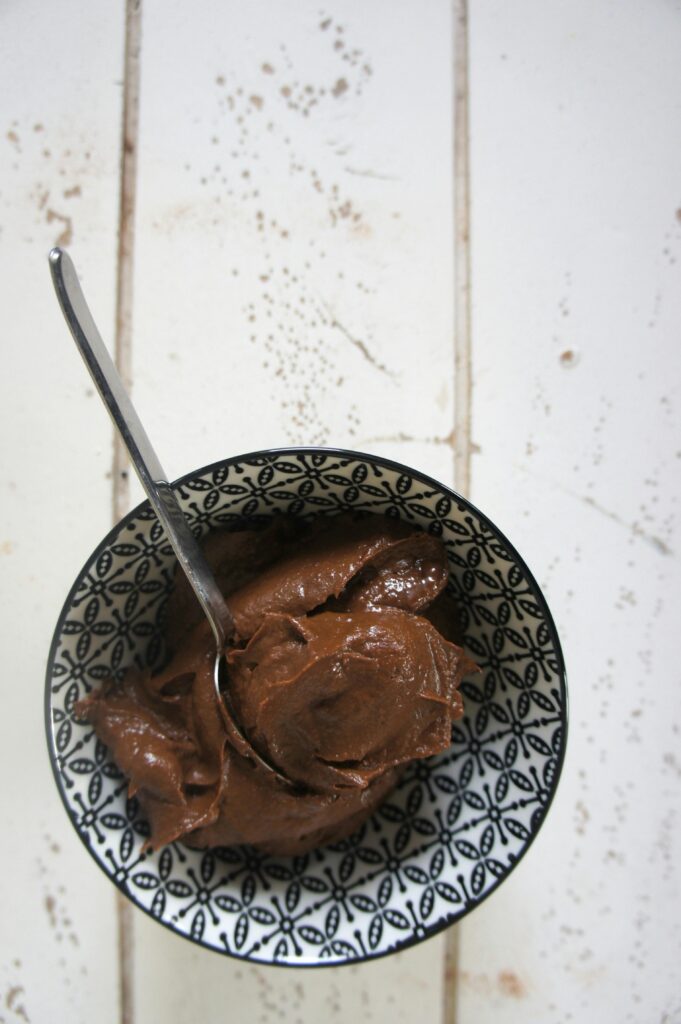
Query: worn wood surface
[275, 209]
[59, 159]
[576, 228]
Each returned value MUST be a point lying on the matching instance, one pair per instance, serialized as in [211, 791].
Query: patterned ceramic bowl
[446, 837]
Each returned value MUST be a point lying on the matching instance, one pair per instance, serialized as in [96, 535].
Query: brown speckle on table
[53, 845]
[569, 358]
[59, 920]
[65, 237]
[403, 438]
[12, 997]
[510, 984]
[581, 817]
[670, 761]
[50, 907]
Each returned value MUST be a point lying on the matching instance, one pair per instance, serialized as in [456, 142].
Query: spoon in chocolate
[155, 483]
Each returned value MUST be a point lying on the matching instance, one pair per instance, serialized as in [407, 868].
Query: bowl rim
[449, 919]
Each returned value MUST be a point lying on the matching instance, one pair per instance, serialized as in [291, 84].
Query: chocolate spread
[342, 670]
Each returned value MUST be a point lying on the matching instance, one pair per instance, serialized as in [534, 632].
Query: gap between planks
[462, 261]
[462, 363]
[123, 359]
[126, 239]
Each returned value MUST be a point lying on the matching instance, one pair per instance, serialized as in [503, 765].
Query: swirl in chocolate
[342, 670]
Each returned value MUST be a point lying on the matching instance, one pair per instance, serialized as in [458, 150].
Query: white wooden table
[443, 232]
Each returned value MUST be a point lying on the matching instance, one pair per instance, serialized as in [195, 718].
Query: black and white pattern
[449, 833]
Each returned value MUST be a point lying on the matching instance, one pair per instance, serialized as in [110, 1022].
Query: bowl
[446, 837]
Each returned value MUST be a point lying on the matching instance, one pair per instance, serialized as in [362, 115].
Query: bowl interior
[449, 833]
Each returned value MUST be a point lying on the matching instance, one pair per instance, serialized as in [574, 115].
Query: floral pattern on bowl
[455, 825]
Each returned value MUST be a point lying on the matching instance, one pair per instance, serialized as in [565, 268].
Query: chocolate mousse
[342, 669]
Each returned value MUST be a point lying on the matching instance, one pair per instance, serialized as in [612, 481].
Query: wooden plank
[294, 230]
[576, 164]
[182, 982]
[293, 285]
[60, 77]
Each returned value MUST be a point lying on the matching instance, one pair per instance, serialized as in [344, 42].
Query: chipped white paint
[293, 283]
[294, 237]
[60, 71]
[576, 187]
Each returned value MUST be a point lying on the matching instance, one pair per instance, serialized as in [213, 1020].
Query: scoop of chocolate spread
[343, 669]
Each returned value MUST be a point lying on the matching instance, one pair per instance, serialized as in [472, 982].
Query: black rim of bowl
[429, 481]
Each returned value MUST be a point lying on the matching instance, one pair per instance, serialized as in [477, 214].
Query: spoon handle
[154, 481]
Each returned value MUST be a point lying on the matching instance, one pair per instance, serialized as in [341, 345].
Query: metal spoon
[155, 482]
